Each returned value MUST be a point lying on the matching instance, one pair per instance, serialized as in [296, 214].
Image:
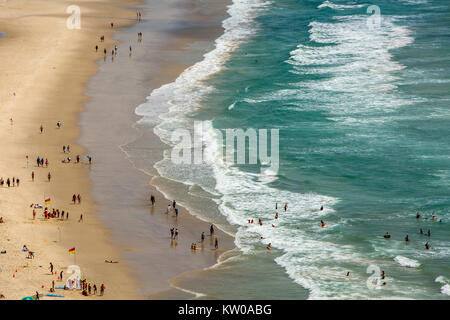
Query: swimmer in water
[421, 231]
[418, 215]
[276, 215]
[383, 274]
[387, 235]
[269, 246]
[407, 238]
[321, 208]
[427, 245]
[285, 207]
[322, 223]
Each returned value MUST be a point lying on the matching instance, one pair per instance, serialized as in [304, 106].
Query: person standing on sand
[61, 275]
[74, 198]
[46, 162]
[171, 232]
[102, 289]
[176, 234]
[51, 268]
[49, 176]
[32, 176]
[211, 230]
[58, 124]
[152, 199]
[64, 149]
[203, 236]
[96, 48]
[95, 289]
[79, 198]
[216, 244]
[41, 128]
[67, 216]
[81, 218]
[8, 182]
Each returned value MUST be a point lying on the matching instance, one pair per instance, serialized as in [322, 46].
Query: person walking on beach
[46, 162]
[176, 234]
[176, 212]
[61, 275]
[216, 244]
[174, 203]
[211, 230]
[49, 176]
[8, 182]
[74, 198]
[67, 215]
[96, 48]
[58, 124]
[51, 268]
[95, 289]
[203, 236]
[41, 128]
[79, 198]
[64, 149]
[89, 159]
[152, 199]
[172, 231]
[168, 209]
[78, 158]
[81, 218]
[68, 148]
[102, 289]
[34, 214]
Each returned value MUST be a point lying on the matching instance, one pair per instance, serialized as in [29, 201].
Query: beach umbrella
[27, 298]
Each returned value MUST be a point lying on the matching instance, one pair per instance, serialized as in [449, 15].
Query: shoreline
[174, 38]
[48, 70]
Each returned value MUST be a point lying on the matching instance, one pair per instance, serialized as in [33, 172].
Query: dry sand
[44, 66]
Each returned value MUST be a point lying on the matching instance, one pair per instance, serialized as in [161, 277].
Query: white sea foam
[329, 4]
[406, 262]
[356, 66]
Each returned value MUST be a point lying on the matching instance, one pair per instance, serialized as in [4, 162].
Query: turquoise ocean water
[361, 102]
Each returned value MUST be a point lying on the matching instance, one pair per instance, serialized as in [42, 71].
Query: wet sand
[176, 34]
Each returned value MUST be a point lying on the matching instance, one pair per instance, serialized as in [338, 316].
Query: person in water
[421, 231]
[269, 246]
[407, 238]
[429, 233]
[387, 235]
[427, 245]
[418, 215]
[322, 223]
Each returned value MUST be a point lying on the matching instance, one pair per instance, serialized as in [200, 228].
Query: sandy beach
[44, 67]
[44, 82]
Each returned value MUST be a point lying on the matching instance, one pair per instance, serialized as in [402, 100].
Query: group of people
[10, 182]
[54, 213]
[76, 198]
[428, 234]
